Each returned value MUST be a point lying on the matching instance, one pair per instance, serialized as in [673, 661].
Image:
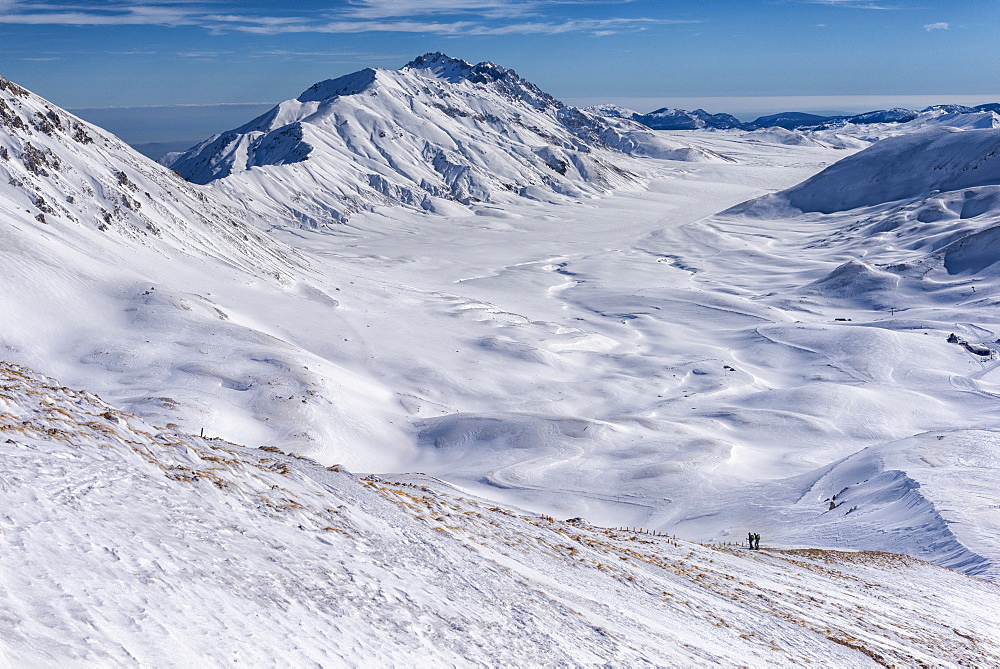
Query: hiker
[750, 540]
[756, 542]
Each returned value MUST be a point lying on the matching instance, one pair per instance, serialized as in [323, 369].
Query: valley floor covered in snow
[639, 360]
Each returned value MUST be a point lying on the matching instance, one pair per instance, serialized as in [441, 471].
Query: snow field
[487, 291]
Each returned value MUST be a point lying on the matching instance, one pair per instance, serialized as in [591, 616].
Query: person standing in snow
[756, 541]
[750, 540]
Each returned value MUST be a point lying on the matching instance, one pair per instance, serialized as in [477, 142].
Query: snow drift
[910, 488]
[857, 282]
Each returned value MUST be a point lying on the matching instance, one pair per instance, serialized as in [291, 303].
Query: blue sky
[198, 52]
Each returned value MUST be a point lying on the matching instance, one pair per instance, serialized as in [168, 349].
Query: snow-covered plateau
[550, 314]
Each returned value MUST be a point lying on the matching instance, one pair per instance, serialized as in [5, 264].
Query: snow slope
[938, 487]
[76, 179]
[119, 275]
[436, 135]
[129, 544]
[901, 167]
[935, 193]
[667, 367]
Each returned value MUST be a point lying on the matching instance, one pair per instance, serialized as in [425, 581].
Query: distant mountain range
[682, 119]
[672, 119]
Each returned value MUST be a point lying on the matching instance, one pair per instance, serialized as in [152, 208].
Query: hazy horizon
[125, 65]
[140, 125]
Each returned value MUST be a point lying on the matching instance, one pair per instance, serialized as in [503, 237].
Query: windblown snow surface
[129, 544]
[753, 344]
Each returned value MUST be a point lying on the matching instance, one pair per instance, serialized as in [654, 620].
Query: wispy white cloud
[168, 13]
[601, 27]
[455, 28]
[135, 52]
[261, 20]
[940, 25]
[131, 16]
[204, 55]
[854, 4]
[382, 9]
[116, 12]
[488, 8]
[437, 17]
[267, 53]
[346, 27]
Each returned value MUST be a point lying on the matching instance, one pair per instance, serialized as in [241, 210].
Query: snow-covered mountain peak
[443, 66]
[894, 115]
[487, 73]
[436, 132]
[436, 60]
[435, 66]
[349, 84]
[612, 111]
[669, 118]
[950, 109]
